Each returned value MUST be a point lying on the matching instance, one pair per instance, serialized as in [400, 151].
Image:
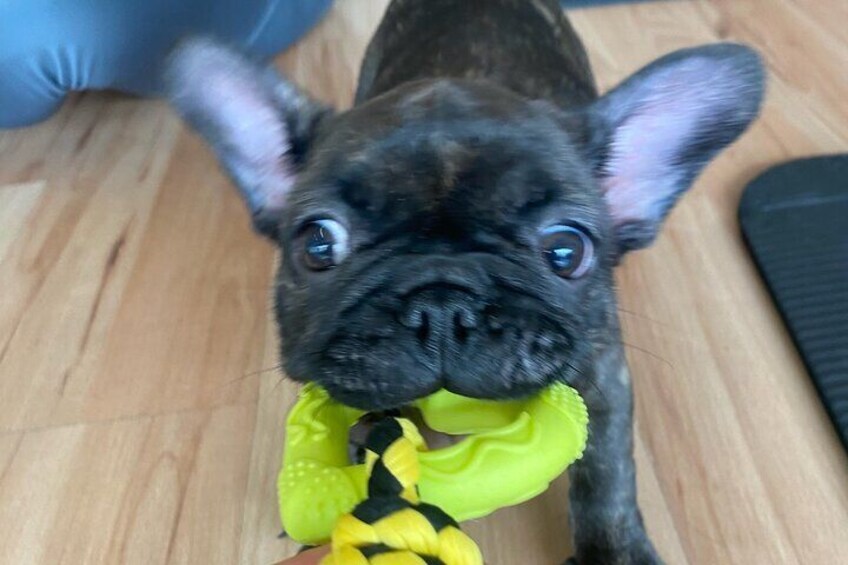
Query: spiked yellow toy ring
[513, 451]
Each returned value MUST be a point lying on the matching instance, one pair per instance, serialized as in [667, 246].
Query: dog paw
[639, 551]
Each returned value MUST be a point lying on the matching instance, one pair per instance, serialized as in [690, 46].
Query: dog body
[459, 226]
[524, 46]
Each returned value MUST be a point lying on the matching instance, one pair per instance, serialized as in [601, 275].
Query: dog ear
[258, 124]
[651, 136]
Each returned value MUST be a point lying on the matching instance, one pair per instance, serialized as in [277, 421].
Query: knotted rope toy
[513, 451]
[392, 525]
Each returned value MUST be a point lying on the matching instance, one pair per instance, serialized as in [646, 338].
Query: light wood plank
[143, 490]
[16, 204]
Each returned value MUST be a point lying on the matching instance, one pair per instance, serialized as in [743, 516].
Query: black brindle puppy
[459, 226]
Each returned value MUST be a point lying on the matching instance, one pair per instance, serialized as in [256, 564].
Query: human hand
[311, 557]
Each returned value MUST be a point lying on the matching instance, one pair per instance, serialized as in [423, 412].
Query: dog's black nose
[441, 316]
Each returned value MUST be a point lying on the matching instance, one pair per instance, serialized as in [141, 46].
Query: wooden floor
[140, 409]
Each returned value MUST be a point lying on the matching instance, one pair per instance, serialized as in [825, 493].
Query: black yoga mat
[795, 221]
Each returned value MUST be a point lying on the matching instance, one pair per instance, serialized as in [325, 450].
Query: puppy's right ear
[259, 124]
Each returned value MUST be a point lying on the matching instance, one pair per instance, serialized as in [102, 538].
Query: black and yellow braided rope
[392, 526]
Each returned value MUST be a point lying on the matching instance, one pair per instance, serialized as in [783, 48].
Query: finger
[311, 557]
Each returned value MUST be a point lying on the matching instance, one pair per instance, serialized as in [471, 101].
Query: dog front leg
[605, 516]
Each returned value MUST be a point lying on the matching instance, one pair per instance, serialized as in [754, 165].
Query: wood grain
[141, 410]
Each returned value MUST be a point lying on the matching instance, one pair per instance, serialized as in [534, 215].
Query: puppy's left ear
[651, 136]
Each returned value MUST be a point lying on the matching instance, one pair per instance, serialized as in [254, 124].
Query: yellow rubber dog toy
[513, 451]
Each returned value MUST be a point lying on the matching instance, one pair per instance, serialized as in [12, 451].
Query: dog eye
[568, 250]
[324, 244]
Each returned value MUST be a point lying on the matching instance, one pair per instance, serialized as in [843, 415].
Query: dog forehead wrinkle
[429, 162]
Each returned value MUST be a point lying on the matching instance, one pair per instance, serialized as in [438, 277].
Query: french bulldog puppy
[459, 226]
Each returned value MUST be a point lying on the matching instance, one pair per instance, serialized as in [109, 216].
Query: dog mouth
[394, 373]
[371, 397]
[383, 394]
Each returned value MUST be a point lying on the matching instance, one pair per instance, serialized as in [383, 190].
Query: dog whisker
[590, 382]
[277, 367]
[642, 316]
[649, 353]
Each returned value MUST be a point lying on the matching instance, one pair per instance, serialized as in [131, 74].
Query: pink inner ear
[641, 175]
[255, 135]
[233, 102]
